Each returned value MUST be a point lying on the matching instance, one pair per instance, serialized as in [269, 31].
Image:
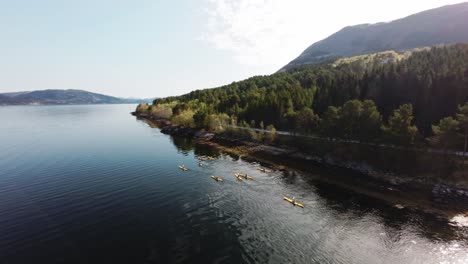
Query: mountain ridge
[438, 26]
[62, 97]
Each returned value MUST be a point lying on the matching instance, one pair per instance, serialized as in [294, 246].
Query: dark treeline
[398, 99]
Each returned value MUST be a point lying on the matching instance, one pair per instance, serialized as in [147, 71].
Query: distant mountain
[444, 25]
[62, 97]
[5, 100]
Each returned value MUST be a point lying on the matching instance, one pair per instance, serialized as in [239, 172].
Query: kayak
[182, 167]
[238, 177]
[264, 170]
[217, 178]
[243, 176]
[293, 202]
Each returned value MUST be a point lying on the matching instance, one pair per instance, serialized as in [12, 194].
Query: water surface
[91, 184]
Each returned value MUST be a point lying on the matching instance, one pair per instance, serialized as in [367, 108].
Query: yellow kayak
[182, 167]
[293, 202]
[217, 178]
[238, 177]
[264, 170]
[243, 176]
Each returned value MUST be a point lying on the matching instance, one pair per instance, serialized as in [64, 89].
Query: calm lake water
[91, 184]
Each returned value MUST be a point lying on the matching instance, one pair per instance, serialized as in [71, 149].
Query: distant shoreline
[66, 104]
[64, 97]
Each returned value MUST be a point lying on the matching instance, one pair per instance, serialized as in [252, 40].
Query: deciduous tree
[400, 128]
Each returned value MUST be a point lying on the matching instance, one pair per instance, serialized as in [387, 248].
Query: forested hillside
[393, 98]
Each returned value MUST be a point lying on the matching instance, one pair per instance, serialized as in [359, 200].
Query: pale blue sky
[144, 48]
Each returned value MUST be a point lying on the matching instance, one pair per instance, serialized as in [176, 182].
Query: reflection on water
[183, 144]
[91, 184]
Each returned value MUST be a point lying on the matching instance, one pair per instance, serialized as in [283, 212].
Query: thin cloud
[258, 32]
[270, 33]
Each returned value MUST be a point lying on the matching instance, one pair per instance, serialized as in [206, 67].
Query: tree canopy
[397, 101]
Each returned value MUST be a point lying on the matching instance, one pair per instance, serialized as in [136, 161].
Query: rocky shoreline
[418, 193]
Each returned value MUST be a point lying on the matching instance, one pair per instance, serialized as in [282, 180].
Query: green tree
[290, 118]
[306, 120]
[217, 122]
[400, 128]
[370, 121]
[330, 122]
[350, 118]
[184, 118]
[445, 133]
[179, 108]
[142, 108]
[462, 117]
[161, 111]
[200, 118]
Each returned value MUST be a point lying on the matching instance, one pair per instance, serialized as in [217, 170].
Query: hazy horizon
[141, 49]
